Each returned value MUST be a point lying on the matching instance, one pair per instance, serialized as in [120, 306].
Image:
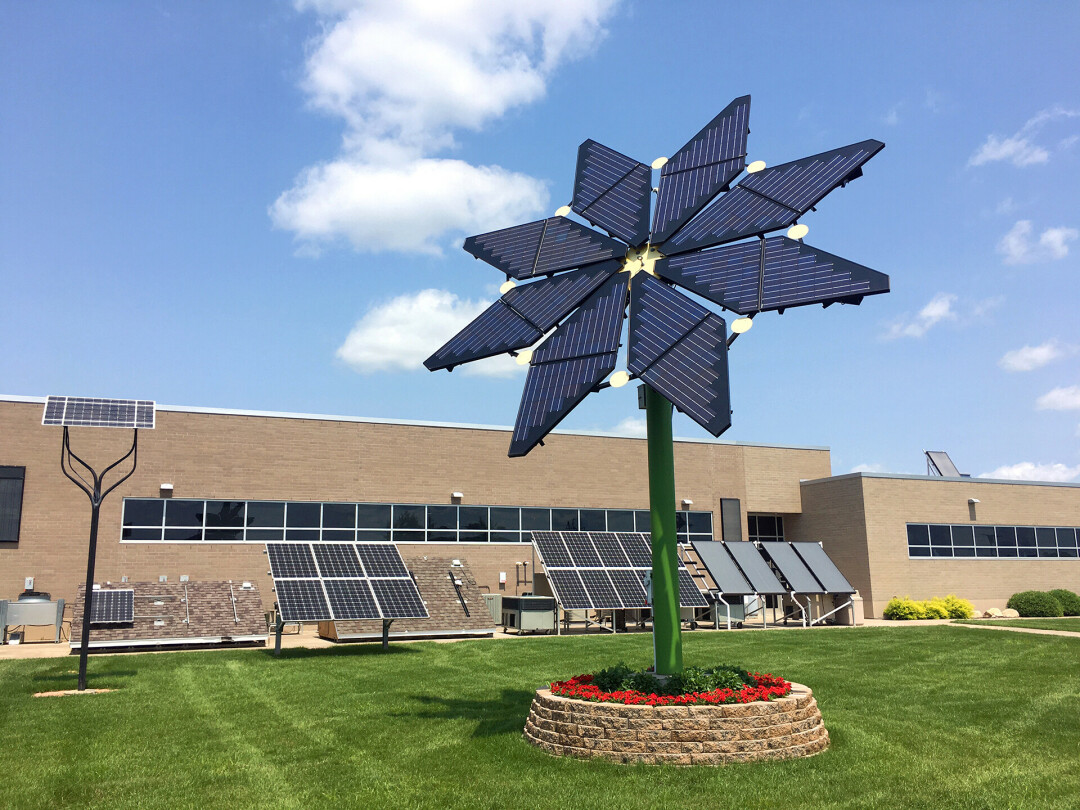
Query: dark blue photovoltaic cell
[613, 191]
[795, 274]
[570, 363]
[772, 198]
[552, 390]
[351, 599]
[680, 349]
[694, 175]
[689, 593]
[568, 589]
[95, 412]
[544, 246]
[552, 549]
[593, 329]
[602, 594]
[521, 317]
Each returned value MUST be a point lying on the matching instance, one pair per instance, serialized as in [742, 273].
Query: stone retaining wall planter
[782, 728]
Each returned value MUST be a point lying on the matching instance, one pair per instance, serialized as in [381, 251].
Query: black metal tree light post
[87, 412]
[706, 235]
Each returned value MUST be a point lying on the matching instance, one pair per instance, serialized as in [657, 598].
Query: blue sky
[261, 205]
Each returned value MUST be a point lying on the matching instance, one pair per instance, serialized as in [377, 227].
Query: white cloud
[404, 76]
[1018, 247]
[1060, 399]
[1006, 206]
[399, 334]
[1027, 471]
[631, 426]
[938, 309]
[892, 117]
[868, 468]
[1028, 358]
[1020, 149]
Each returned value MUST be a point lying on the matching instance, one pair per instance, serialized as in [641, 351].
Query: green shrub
[697, 679]
[901, 609]
[958, 608]
[623, 677]
[935, 608]
[612, 678]
[1035, 603]
[1070, 601]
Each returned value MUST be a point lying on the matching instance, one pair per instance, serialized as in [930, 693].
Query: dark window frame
[13, 473]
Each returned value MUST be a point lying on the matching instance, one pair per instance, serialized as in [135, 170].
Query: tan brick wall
[862, 523]
[213, 455]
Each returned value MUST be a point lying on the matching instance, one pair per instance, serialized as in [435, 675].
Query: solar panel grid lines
[398, 598]
[568, 589]
[496, 330]
[698, 171]
[610, 550]
[351, 599]
[112, 606]
[337, 560]
[637, 547]
[594, 328]
[689, 593]
[546, 302]
[630, 586]
[729, 276]
[97, 412]
[545, 246]
[802, 183]
[381, 560]
[302, 600]
[737, 214]
[582, 551]
[602, 593]
[613, 191]
[291, 560]
[659, 317]
[552, 549]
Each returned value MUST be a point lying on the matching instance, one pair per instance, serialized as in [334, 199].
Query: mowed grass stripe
[919, 717]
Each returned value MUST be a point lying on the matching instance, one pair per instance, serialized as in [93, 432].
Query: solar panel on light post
[68, 412]
[707, 237]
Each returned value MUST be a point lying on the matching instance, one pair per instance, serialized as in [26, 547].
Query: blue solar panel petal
[698, 171]
[542, 247]
[680, 349]
[521, 317]
[794, 274]
[613, 191]
[772, 198]
[593, 329]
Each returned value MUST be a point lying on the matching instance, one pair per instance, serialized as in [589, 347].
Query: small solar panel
[570, 364]
[381, 560]
[112, 607]
[291, 560]
[398, 599]
[613, 191]
[602, 594]
[680, 349]
[942, 463]
[552, 549]
[772, 198]
[582, 552]
[351, 599]
[568, 588]
[792, 274]
[542, 247]
[337, 560]
[92, 412]
[302, 600]
[521, 316]
[689, 593]
[704, 166]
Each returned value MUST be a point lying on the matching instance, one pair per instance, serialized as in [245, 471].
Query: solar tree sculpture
[88, 412]
[706, 236]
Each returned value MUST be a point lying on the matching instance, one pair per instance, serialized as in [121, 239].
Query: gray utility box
[529, 613]
[494, 606]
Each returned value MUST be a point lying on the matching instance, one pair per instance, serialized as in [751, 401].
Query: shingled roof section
[179, 613]
[446, 617]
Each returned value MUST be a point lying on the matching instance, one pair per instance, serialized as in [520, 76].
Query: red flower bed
[765, 687]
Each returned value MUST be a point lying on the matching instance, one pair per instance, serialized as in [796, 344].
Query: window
[11, 490]
[765, 527]
[991, 542]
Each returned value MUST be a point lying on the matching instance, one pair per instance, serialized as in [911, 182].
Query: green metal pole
[667, 641]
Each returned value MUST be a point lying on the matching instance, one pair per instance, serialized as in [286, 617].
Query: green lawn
[920, 717]
[1071, 624]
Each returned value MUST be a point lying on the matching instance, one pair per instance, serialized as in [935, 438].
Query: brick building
[240, 479]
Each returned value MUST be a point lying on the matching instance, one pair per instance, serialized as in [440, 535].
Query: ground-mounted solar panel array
[341, 581]
[92, 412]
[604, 570]
[112, 607]
[771, 568]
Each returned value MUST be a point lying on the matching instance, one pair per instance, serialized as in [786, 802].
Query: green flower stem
[667, 638]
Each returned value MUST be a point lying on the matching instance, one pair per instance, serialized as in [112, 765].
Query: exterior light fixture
[687, 503]
[973, 500]
[507, 286]
[619, 379]
[740, 325]
[755, 167]
[524, 358]
[562, 211]
[659, 163]
[797, 231]
[455, 497]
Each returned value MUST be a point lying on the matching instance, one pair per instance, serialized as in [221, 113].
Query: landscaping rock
[1009, 613]
[993, 613]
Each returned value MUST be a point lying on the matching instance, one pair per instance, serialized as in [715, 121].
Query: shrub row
[1058, 602]
[951, 607]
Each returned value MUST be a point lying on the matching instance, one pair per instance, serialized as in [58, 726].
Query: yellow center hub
[640, 260]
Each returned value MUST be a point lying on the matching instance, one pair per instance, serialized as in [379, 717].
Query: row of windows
[185, 521]
[995, 542]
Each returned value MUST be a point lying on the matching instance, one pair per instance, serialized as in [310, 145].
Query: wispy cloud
[1060, 399]
[399, 334]
[1029, 471]
[940, 308]
[405, 77]
[1020, 149]
[868, 468]
[892, 117]
[1029, 358]
[631, 426]
[1018, 247]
